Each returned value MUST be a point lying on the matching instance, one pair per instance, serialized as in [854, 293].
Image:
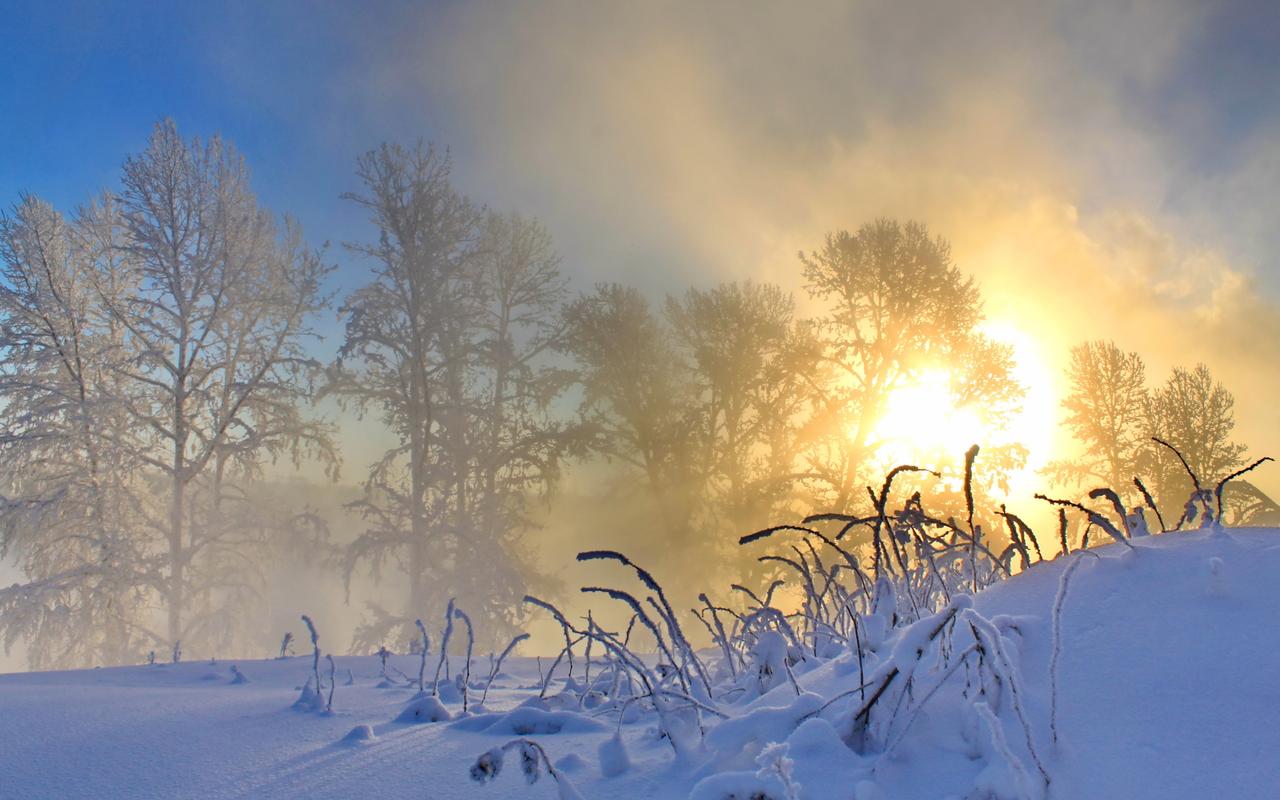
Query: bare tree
[1195, 413]
[215, 322]
[64, 444]
[749, 361]
[449, 344]
[638, 401]
[895, 305]
[1107, 411]
[519, 438]
[402, 355]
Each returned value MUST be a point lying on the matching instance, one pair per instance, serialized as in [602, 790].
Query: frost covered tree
[701, 406]
[448, 344]
[1107, 412]
[895, 306]
[1113, 414]
[216, 321]
[66, 446]
[154, 359]
[519, 439]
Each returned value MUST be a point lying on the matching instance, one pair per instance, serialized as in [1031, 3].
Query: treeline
[1125, 427]
[157, 352]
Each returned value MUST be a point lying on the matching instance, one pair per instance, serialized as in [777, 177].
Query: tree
[637, 400]
[401, 344]
[447, 343]
[896, 307]
[749, 360]
[1107, 411]
[214, 323]
[518, 439]
[65, 452]
[1194, 413]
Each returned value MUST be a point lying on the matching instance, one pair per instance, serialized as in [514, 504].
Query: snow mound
[614, 760]
[360, 735]
[425, 708]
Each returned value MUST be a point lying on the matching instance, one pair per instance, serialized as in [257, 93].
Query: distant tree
[748, 360]
[1194, 413]
[1108, 413]
[449, 343]
[401, 356]
[519, 438]
[637, 400]
[895, 306]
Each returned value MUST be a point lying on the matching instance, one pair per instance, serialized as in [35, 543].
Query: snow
[614, 760]
[1165, 687]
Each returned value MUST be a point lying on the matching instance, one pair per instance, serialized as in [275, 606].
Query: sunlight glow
[920, 425]
[1034, 425]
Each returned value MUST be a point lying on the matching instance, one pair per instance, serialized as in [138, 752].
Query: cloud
[667, 144]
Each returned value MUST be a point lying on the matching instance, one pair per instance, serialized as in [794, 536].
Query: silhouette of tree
[896, 306]
[1194, 413]
[1108, 413]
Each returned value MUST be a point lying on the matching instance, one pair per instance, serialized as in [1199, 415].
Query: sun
[922, 425]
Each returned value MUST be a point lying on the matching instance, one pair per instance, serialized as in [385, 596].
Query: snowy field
[1166, 688]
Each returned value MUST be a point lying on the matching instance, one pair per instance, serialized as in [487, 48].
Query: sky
[1106, 170]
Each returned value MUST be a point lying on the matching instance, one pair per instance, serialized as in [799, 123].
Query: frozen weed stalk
[422, 660]
[443, 663]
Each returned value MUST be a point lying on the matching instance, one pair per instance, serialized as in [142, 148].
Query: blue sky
[302, 88]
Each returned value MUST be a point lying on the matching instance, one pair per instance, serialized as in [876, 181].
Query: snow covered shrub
[360, 735]
[309, 698]
[286, 645]
[333, 684]
[1005, 777]
[529, 720]
[680, 654]
[315, 650]
[533, 760]
[464, 678]
[382, 654]
[1055, 650]
[666, 687]
[774, 763]
[312, 697]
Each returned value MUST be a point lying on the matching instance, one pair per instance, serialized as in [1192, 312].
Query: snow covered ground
[1166, 688]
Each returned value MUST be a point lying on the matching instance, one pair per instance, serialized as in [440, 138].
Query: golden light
[922, 425]
[1035, 425]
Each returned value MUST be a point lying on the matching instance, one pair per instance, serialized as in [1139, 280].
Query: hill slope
[1166, 688]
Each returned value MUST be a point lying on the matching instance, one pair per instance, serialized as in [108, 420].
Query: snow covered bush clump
[533, 760]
